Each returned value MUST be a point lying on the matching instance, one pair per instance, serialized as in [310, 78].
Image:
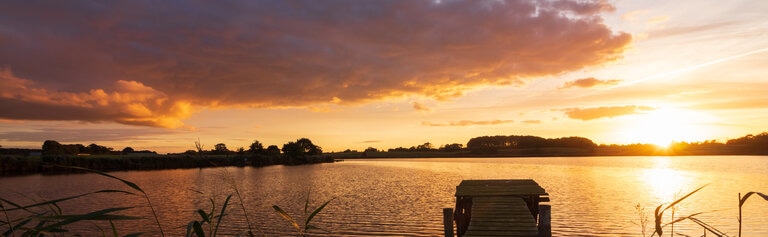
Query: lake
[590, 196]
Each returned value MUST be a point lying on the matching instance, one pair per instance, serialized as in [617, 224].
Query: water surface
[590, 196]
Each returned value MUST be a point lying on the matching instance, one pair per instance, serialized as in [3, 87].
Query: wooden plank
[475, 191]
[499, 187]
[501, 216]
[487, 182]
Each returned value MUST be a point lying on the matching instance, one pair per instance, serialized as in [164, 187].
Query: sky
[353, 74]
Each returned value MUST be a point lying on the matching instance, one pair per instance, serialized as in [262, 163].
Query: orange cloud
[604, 112]
[467, 123]
[420, 107]
[589, 82]
[532, 122]
[129, 103]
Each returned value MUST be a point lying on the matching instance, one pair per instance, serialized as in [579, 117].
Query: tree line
[54, 148]
[54, 157]
[488, 145]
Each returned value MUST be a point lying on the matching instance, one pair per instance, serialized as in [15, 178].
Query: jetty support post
[545, 220]
[448, 222]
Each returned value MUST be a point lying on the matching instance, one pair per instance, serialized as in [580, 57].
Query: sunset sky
[159, 75]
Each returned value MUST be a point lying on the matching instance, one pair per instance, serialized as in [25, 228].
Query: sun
[664, 126]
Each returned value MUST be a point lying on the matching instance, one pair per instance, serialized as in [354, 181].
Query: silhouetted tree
[52, 148]
[371, 149]
[97, 149]
[220, 149]
[424, 147]
[299, 151]
[256, 147]
[273, 150]
[451, 147]
[199, 146]
[127, 150]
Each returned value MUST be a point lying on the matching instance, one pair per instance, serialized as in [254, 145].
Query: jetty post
[448, 222]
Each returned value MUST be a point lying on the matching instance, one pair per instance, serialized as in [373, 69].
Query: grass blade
[88, 216]
[683, 198]
[708, 227]
[114, 228]
[287, 217]
[198, 229]
[316, 211]
[126, 182]
[746, 196]
[203, 215]
[105, 217]
[221, 215]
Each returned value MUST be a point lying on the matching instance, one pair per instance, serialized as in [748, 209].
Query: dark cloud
[604, 112]
[589, 82]
[282, 53]
[467, 123]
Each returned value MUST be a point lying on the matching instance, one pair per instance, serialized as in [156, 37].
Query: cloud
[589, 82]
[467, 123]
[531, 122]
[194, 54]
[733, 104]
[420, 107]
[684, 30]
[604, 112]
[81, 135]
[129, 102]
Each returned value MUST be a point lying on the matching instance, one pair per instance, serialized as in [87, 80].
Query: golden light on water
[664, 182]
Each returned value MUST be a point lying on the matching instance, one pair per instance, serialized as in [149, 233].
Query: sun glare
[664, 182]
[664, 126]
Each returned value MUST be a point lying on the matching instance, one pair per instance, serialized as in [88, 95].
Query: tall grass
[660, 225]
[46, 217]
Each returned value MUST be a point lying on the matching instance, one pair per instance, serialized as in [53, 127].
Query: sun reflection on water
[663, 181]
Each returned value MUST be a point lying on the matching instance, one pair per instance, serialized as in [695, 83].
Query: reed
[743, 200]
[46, 217]
[302, 231]
[195, 228]
[659, 225]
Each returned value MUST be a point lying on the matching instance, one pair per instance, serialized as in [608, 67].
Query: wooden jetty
[508, 207]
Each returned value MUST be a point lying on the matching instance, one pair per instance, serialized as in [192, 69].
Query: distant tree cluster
[492, 144]
[754, 143]
[429, 147]
[301, 151]
[54, 148]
